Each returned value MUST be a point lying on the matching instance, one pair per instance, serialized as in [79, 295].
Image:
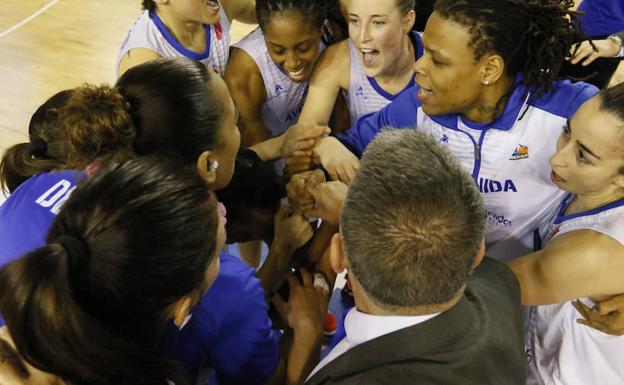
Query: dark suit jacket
[478, 341]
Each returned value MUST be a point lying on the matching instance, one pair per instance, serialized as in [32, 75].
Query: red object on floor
[330, 325]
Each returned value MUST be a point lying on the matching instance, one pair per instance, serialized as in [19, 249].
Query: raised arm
[244, 81]
[332, 72]
[582, 263]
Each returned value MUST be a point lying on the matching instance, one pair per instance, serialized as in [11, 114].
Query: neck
[492, 102]
[365, 304]
[186, 32]
[585, 202]
[402, 67]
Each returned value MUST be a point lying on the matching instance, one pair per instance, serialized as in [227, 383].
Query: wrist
[618, 47]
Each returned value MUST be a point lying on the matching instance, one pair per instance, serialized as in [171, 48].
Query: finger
[610, 305]
[306, 277]
[593, 56]
[301, 153]
[293, 283]
[304, 144]
[582, 308]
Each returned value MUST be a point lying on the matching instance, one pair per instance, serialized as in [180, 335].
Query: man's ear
[480, 255]
[204, 162]
[337, 256]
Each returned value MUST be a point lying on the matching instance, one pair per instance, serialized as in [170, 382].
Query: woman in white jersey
[372, 66]
[269, 69]
[197, 29]
[584, 255]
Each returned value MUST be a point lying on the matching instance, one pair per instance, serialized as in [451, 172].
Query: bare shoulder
[136, 56]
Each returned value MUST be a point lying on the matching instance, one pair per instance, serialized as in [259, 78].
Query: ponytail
[46, 151]
[54, 334]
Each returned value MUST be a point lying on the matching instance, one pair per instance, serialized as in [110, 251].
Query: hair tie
[78, 255]
[38, 147]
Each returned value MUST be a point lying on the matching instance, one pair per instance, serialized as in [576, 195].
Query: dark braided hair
[532, 36]
[315, 10]
[148, 5]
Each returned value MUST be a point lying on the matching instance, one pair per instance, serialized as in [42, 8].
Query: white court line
[28, 19]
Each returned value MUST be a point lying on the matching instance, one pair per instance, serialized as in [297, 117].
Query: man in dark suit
[429, 308]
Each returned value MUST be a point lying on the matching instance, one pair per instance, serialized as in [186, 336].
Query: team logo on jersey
[278, 89]
[359, 92]
[444, 139]
[497, 219]
[492, 186]
[522, 152]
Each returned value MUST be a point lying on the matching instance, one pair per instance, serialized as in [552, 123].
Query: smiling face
[293, 43]
[590, 152]
[448, 75]
[202, 11]
[379, 31]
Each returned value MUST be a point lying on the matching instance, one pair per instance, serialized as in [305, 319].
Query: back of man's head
[412, 223]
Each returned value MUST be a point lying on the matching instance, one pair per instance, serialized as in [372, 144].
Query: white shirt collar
[361, 327]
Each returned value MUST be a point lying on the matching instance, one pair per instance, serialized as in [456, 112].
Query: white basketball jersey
[149, 32]
[284, 97]
[365, 95]
[559, 350]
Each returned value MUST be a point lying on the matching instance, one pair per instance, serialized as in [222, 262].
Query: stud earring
[486, 82]
[214, 165]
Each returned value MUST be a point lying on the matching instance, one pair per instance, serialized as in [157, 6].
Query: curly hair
[532, 36]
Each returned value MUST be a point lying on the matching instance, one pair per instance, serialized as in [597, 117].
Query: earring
[214, 165]
[486, 82]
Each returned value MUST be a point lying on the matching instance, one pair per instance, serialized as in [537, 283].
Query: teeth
[296, 73]
[367, 50]
[425, 92]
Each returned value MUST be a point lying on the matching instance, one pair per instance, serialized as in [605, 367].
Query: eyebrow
[355, 15]
[581, 145]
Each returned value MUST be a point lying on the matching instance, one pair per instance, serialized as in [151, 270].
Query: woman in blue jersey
[90, 304]
[584, 252]
[196, 29]
[176, 107]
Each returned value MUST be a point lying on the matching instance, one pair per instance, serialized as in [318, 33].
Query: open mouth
[213, 4]
[556, 178]
[296, 74]
[369, 56]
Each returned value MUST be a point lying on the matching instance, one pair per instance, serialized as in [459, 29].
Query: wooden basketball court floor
[50, 45]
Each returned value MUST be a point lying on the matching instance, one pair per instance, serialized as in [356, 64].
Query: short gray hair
[412, 222]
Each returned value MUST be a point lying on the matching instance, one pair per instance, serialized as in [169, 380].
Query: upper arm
[331, 73]
[134, 57]
[241, 10]
[247, 89]
[400, 113]
[582, 263]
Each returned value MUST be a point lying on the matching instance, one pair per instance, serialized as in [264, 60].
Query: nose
[364, 33]
[558, 159]
[292, 62]
[419, 67]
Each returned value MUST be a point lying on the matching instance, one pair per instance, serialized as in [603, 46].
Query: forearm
[275, 268]
[303, 355]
